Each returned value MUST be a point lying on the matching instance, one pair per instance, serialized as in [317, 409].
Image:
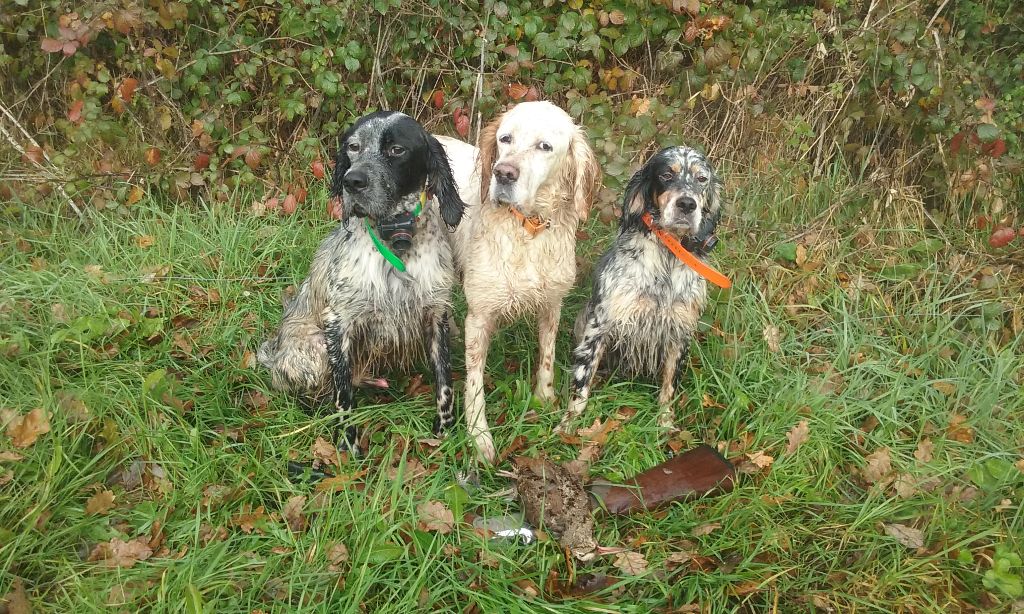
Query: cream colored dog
[528, 187]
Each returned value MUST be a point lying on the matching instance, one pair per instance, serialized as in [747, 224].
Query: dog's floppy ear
[341, 165]
[488, 154]
[710, 216]
[639, 198]
[442, 184]
[586, 174]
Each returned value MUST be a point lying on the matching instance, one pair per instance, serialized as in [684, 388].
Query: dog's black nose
[686, 204]
[506, 173]
[355, 181]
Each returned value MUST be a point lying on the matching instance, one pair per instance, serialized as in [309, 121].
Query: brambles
[918, 90]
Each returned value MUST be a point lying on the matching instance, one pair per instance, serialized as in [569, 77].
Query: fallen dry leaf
[25, 430]
[337, 555]
[435, 516]
[324, 453]
[773, 337]
[72, 406]
[293, 515]
[247, 518]
[145, 241]
[923, 453]
[946, 388]
[958, 430]
[117, 553]
[6, 477]
[10, 456]
[797, 436]
[905, 486]
[878, 467]
[631, 563]
[760, 459]
[338, 482]
[1020, 465]
[16, 601]
[100, 503]
[705, 529]
[908, 536]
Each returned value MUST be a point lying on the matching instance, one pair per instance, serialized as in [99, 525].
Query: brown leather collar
[532, 225]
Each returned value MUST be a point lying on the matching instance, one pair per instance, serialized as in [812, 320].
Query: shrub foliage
[200, 97]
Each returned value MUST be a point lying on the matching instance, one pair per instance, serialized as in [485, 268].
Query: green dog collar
[384, 250]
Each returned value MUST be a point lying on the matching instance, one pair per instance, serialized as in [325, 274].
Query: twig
[936, 15]
[14, 142]
[478, 90]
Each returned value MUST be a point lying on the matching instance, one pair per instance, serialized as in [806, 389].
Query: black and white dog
[646, 302]
[378, 293]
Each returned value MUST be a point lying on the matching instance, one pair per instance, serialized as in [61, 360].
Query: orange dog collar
[677, 249]
[533, 225]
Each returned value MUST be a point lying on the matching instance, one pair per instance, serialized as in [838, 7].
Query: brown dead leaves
[631, 563]
[293, 513]
[100, 503]
[756, 462]
[324, 454]
[25, 430]
[118, 553]
[908, 536]
[591, 440]
[797, 436]
[16, 601]
[248, 519]
[435, 516]
[337, 556]
[878, 467]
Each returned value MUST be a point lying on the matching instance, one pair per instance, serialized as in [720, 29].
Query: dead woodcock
[553, 497]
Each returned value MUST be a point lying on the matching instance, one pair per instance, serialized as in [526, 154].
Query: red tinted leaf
[981, 222]
[289, 204]
[437, 98]
[462, 122]
[334, 208]
[51, 45]
[300, 194]
[202, 161]
[152, 156]
[956, 142]
[996, 148]
[127, 89]
[318, 169]
[532, 94]
[516, 91]
[1002, 237]
[34, 153]
[253, 158]
[75, 111]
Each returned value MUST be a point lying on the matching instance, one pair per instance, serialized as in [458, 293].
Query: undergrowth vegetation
[191, 98]
[864, 373]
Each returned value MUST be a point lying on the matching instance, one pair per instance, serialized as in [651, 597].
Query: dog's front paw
[667, 420]
[348, 441]
[485, 447]
[440, 429]
[545, 393]
[565, 427]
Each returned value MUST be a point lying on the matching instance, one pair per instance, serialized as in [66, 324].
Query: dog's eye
[702, 179]
[667, 176]
[505, 138]
[544, 146]
[353, 147]
[396, 150]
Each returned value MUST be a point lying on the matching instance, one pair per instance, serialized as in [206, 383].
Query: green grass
[859, 358]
